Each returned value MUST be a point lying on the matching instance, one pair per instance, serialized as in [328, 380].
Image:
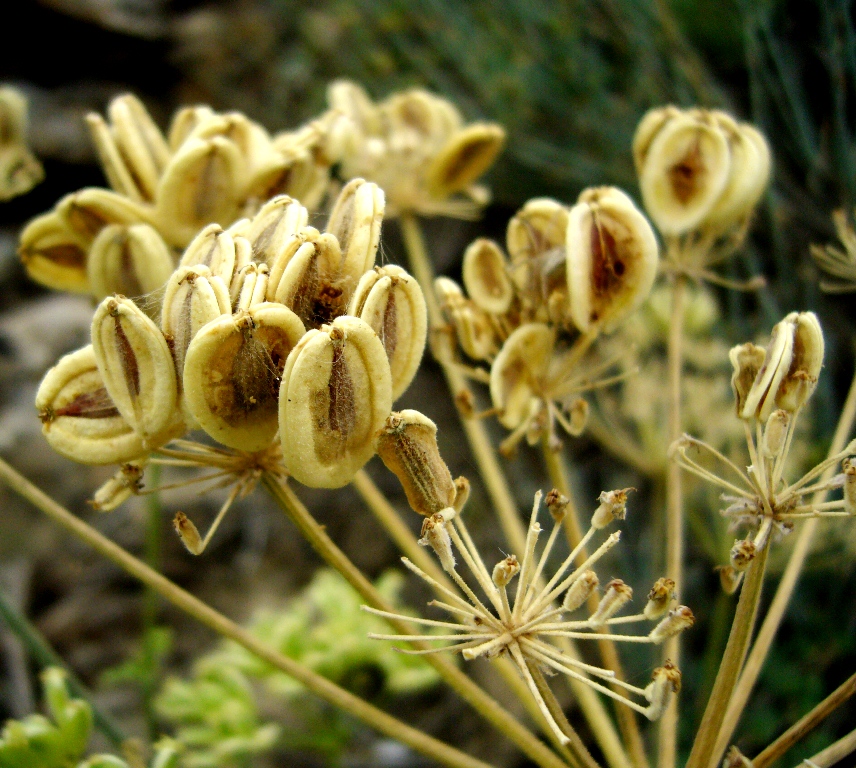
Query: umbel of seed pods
[771, 386]
[527, 624]
[270, 327]
[570, 274]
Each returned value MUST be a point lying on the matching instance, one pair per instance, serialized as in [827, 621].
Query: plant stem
[482, 702]
[845, 746]
[494, 479]
[786, 587]
[627, 722]
[582, 757]
[151, 600]
[806, 724]
[732, 660]
[668, 731]
[46, 656]
[330, 692]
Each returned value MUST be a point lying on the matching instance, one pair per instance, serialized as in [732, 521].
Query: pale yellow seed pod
[192, 299]
[54, 254]
[310, 285]
[659, 599]
[184, 123]
[684, 172]
[89, 210]
[356, 221]
[335, 397]
[188, 533]
[486, 277]
[285, 254]
[473, 329]
[613, 506]
[580, 591]
[274, 227]
[212, 248]
[665, 684]
[20, 171]
[201, 185]
[775, 431]
[79, 419]
[535, 240]
[760, 399]
[130, 260]
[232, 374]
[249, 287]
[436, 535]
[391, 302]
[505, 570]
[137, 367]
[407, 444]
[799, 383]
[464, 158]
[677, 621]
[616, 596]
[517, 374]
[112, 162]
[611, 256]
[127, 482]
[746, 360]
[649, 126]
[351, 99]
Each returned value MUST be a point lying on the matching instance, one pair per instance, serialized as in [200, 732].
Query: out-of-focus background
[569, 81]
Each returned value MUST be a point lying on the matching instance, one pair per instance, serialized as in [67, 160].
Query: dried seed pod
[729, 578]
[486, 279]
[286, 252]
[110, 158]
[391, 302]
[54, 254]
[435, 535]
[188, 533]
[192, 299]
[464, 158]
[516, 376]
[649, 126]
[20, 171]
[473, 329]
[535, 240]
[684, 172]
[798, 384]
[678, 620]
[184, 122]
[137, 367]
[336, 394]
[775, 431]
[212, 248]
[79, 419]
[232, 374]
[355, 222]
[746, 359]
[130, 260]
[505, 570]
[580, 591]
[666, 683]
[611, 258]
[617, 595]
[89, 210]
[407, 444]
[272, 228]
[659, 598]
[127, 482]
[742, 554]
[613, 506]
[760, 399]
[249, 287]
[201, 185]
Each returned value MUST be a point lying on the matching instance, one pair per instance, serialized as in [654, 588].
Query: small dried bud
[617, 595]
[435, 535]
[505, 570]
[612, 258]
[557, 504]
[232, 373]
[746, 359]
[613, 506]
[335, 397]
[580, 591]
[729, 578]
[678, 620]
[775, 432]
[848, 466]
[188, 533]
[79, 419]
[666, 682]
[742, 554]
[465, 156]
[407, 445]
[659, 598]
[138, 369]
[486, 279]
[124, 484]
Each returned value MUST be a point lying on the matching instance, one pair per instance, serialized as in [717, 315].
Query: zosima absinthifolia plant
[234, 337]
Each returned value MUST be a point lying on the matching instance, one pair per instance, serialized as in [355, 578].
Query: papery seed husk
[336, 395]
[580, 591]
[746, 360]
[212, 248]
[473, 329]
[395, 308]
[649, 126]
[355, 222]
[286, 253]
[79, 419]
[407, 444]
[201, 185]
[232, 374]
[184, 122]
[274, 226]
[89, 210]
[138, 369]
[192, 299]
[130, 260]
[464, 158]
[518, 371]
[249, 287]
[684, 173]
[760, 399]
[799, 382]
[485, 274]
[612, 259]
[54, 255]
[119, 488]
[310, 284]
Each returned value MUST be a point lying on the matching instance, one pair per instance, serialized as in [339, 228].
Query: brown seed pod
[79, 419]
[335, 397]
[232, 374]
[464, 158]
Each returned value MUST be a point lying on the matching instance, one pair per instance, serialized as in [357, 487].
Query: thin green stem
[151, 602]
[320, 686]
[482, 702]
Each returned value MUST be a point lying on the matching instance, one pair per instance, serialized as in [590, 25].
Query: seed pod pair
[699, 168]
[214, 249]
[271, 229]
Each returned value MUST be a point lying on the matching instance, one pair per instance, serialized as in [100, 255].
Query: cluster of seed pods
[267, 328]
